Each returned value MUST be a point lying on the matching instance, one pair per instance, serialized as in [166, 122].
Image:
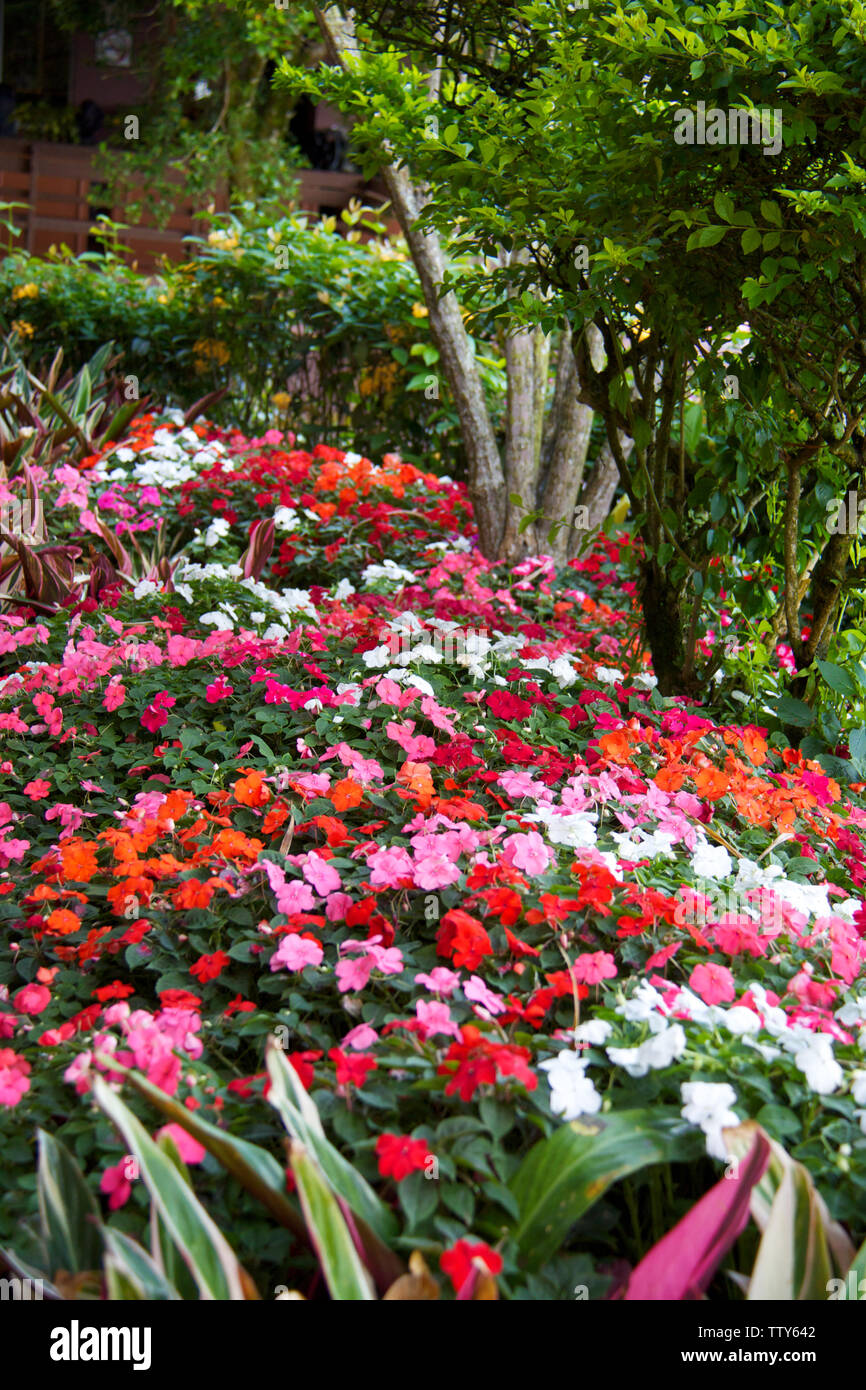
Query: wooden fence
[62, 197]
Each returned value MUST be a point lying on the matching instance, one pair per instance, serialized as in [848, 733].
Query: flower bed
[427, 824]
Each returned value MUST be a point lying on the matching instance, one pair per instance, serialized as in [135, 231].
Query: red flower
[238, 1005]
[32, 999]
[352, 1068]
[400, 1154]
[303, 1065]
[463, 938]
[178, 999]
[207, 968]
[478, 1062]
[457, 1262]
[503, 705]
[155, 715]
[116, 990]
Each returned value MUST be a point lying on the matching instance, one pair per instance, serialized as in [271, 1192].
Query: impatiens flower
[527, 852]
[400, 1154]
[457, 1262]
[435, 1017]
[594, 966]
[714, 983]
[480, 1062]
[207, 968]
[115, 694]
[320, 874]
[296, 953]
[156, 713]
[571, 1091]
[389, 866]
[352, 1070]
[116, 1185]
[14, 1077]
[361, 1037]
[708, 1104]
[32, 999]
[37, 789]
[463, 938]
[476, 990]
[190, 1150]
[440, 980]
[218, 690]
[712, 861]
[816, 1061]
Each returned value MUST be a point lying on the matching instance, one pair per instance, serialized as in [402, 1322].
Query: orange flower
[711, 783]
[79, 860]
[416, 776]
[346, 793]
[251, 790]
[192, 893]
[617, 745]
[62, 922]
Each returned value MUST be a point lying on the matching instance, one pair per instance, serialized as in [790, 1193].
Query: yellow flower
[419, 311]
[218, 301]
[281, 399]
[23, 328]
[208, 350]
[25, 292]
[323, 297]
[225, 241]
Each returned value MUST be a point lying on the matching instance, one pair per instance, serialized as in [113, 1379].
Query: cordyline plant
[562, 140]
[43, 423]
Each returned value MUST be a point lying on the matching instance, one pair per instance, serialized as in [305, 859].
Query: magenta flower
[593, 967]
[296, 952]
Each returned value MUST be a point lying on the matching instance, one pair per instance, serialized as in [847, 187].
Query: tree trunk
[666, 627]
[601, 488]
[486, 477]
[522, 443]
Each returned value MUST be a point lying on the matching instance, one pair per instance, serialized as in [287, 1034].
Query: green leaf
[838, 679]
[795, 712]
[131, 1273]
[256, 1169]
[771, 212]
[724, 206]
[67, 1209]
[793, 1261]
[344, 1272]
[202, 1246]
[561, 1177]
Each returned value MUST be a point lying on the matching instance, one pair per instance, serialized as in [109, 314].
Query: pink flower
[318, 871]
[360, 1037]
[190, 1150]
[435, 1017]
[32, 999]
[218, 690]
[14, 1079]
[714, 983]
[116, 1184]
[155, 715]
[477, 991]
[593, 967]
[297, 952]
[527, 852]
[435, 871]
[440, 980]
[337, 906]
[352, 975]
[389, 866]
[37, 789]
[115, 694]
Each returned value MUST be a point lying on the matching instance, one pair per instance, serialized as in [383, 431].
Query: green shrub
[297, 323]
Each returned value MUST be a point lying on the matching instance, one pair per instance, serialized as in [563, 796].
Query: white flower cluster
[174, 457]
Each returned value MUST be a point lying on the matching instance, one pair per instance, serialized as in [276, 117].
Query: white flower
[571, 1091]
[642, 1004]
[644, 681]
[563, 672]
[218, 528]
[376, 658]
[218, 620]
[595, 1031]
[275, 633]
[286, 519]
[740, 1020]
[343, 590]
[201, 90]
[711, 861]
[858, 1087]
[145, 587]
[577, 830]
[816, 1061]
[657, 1052]
[708, 1105]
[607, 675]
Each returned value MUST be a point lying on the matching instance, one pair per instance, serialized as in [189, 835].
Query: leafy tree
[567, 144]
[211, 113]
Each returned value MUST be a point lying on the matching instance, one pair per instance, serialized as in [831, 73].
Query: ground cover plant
[319, 826]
